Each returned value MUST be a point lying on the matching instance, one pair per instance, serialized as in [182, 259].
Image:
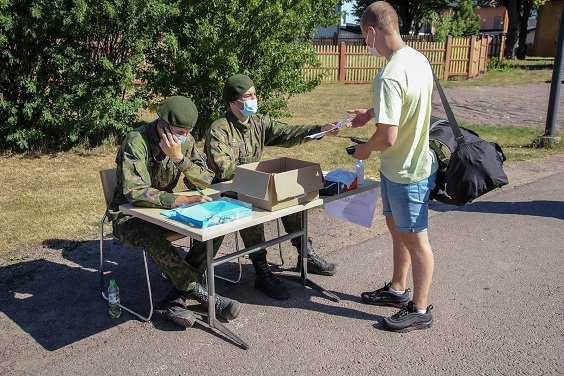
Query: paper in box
[277, 183]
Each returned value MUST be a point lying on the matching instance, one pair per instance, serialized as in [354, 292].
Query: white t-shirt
[402, 96]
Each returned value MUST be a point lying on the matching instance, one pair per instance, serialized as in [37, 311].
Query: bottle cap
[112, 281]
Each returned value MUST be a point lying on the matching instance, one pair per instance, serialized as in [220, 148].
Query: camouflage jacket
[146, 176]
[230, 143]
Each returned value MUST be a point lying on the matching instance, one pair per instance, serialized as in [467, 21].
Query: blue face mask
[181, 138]
[250, 107]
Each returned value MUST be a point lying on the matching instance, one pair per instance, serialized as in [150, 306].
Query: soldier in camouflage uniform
[150, 162]
[239, 137]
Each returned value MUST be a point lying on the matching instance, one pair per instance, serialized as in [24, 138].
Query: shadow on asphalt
[537, 208]
[58, 304]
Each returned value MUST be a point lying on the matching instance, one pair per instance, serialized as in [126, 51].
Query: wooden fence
[455, 57]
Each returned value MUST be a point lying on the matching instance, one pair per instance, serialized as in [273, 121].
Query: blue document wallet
[210, 213]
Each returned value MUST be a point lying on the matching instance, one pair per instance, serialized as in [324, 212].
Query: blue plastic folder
[210, 213]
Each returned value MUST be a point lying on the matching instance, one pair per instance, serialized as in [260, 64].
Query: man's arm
[220, 156]
[279, 133]
[383, 138]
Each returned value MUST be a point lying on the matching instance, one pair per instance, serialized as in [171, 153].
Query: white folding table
[258, 216]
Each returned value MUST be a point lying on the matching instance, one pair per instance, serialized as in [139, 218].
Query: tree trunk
[522, 49]
[513, 28]
[405, 17]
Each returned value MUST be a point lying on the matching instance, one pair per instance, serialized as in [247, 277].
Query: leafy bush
[497, 64]
[67, 67]
[203, 43]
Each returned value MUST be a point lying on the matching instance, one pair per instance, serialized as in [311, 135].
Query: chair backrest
[109, 182]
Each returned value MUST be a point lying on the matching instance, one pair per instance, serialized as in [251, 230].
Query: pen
[200, 191]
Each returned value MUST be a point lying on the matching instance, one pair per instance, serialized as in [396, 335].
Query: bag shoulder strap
[450, 115]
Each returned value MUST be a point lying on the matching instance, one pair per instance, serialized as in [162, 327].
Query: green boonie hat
[178, 111]
[235, 86]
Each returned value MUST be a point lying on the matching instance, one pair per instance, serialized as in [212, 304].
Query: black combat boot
[173, 308]
[268, 282]
[227, 308]
[315, 264]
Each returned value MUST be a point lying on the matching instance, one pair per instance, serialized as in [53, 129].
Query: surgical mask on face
[181, 138]
[250, 107]
[373, 51]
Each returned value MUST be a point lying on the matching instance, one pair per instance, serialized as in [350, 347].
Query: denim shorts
[407, 203]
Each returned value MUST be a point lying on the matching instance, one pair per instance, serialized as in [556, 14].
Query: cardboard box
[277, 183]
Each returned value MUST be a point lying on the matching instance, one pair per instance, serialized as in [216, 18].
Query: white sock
[396, 292]
[421, 311]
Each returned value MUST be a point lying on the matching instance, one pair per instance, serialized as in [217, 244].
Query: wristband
[181, 161]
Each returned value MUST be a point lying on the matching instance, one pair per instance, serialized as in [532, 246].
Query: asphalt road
[497, 294]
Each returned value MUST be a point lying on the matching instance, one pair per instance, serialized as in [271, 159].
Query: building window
[496, 24]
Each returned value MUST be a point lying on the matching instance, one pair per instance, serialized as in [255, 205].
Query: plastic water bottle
[359, 170]
[113, 299]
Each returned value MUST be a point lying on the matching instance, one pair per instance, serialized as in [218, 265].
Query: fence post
[502, 47]
[335, 39]
[342, 62]
[471, 55]
[448, 52]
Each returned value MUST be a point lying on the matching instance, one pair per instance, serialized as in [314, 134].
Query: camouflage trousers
[255, 235]
[183, 272]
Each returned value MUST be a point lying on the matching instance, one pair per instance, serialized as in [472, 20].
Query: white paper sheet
[338, 125]
[357, 208]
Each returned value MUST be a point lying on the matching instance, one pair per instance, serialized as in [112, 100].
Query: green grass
[59, 196]
[510, 72]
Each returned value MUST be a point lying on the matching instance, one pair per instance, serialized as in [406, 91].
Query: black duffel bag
[468, 165]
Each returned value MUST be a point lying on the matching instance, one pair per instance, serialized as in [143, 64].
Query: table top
[258, 215]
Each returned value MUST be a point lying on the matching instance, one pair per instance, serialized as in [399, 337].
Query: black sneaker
[227, 308]
[173, 308]
[315, 264]
[408, 319]
[268, 282]
[383, 297]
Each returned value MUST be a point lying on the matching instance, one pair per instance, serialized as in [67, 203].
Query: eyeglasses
[249, 96]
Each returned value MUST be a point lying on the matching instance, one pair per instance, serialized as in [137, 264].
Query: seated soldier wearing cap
[150, 162]
[239, 137]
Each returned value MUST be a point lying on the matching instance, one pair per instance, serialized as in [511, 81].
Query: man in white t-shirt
[401, 110]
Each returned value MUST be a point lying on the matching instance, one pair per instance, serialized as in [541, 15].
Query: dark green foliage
[458, 22]
[66, 70]
[67, 66]
[205, 42]
[412, 14]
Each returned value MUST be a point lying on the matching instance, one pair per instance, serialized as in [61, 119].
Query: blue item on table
[211, 213]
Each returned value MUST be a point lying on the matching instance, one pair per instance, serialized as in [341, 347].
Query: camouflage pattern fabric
[230, 143]
[146, 177]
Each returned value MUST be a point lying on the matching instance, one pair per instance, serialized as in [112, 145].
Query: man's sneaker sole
[388, 301]
[414, 326]
[408, 318]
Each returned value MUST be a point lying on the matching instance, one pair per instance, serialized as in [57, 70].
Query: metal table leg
[303, 254]
[212, 321]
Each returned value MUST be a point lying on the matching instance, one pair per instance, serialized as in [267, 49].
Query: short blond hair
[382, 15]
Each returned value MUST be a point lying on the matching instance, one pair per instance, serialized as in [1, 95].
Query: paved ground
[498, 293]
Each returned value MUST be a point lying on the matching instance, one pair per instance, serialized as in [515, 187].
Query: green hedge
[67, 67]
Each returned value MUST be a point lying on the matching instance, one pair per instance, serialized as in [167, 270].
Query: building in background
[548, 24]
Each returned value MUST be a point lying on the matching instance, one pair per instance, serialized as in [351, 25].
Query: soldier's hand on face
[170, 145]
[326, 127]
[185, 200]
